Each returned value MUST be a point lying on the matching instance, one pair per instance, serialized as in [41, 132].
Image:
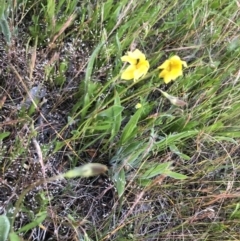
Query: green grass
[172, 171]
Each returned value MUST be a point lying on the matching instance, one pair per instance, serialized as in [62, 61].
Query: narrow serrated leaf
[128, 130]
[120, 181]
[156, 170]
[175, 175]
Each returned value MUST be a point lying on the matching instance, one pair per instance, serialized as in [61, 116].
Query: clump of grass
[173, 168]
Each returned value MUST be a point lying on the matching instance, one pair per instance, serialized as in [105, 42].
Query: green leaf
[175, 150]
[111, 112]
[120, 180]
[127, 151]
[225, 138]
[2, 8]
[5, 30]
[175, 175]
[230, 133]
[144, 182]
[51, 9]
[14, 237]
[134, 159]
[101, 126]
[156, 170]
[87, 82]
[86, 105]
[35, 223]
[63, 67]
[58, 145]
[4, 135]
[117, 116]
[128, 130]
[59, 80]
[112, 116]
[236, 213]
[174, 138]
[4, 227]
[91, 63]
[234, 44]
[107, 7]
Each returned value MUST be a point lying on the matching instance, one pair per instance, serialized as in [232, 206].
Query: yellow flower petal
[144, 63]
[128, 73]
[176, 73]
[129, 59]
[184, 64]
[175, 58]
[137, 54]
[165, 65]
[165, 75]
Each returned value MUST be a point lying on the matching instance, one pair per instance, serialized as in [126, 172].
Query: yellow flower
[172, 68]
[138, 65]
[138, 106]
